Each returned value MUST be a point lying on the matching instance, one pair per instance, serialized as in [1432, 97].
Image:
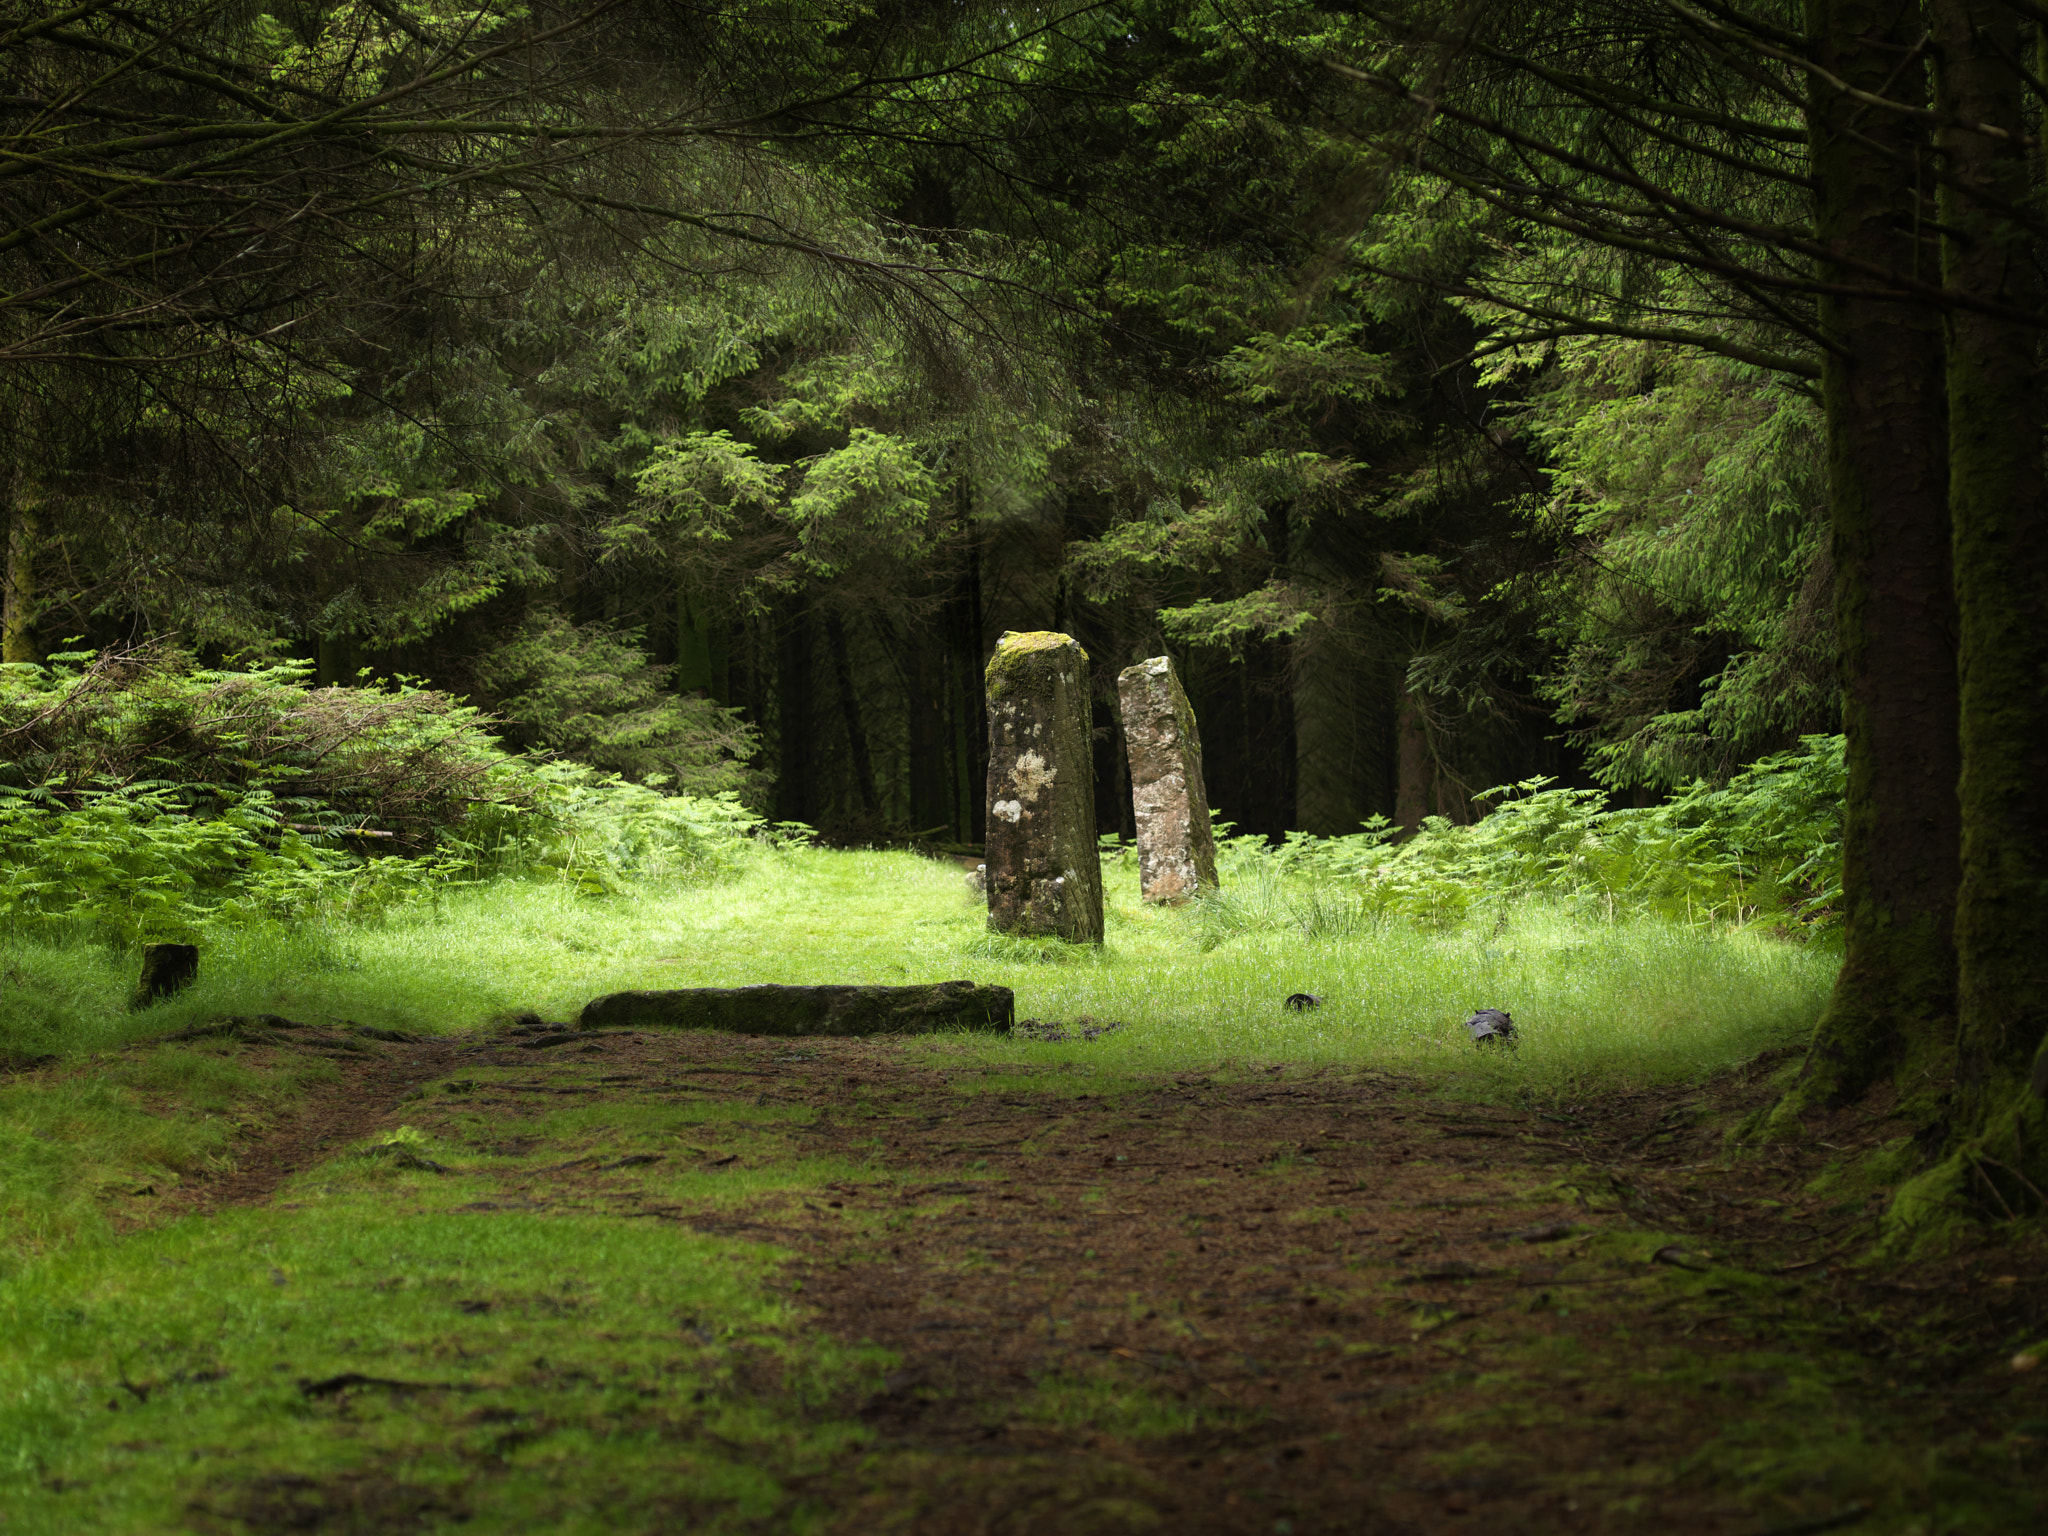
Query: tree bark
[1997, 499]
[849, 712]
[794, 786]
[1411, 763]
[18, 603]
[693, 647]
[1883, 396]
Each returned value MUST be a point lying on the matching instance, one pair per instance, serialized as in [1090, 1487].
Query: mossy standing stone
[1044, 874]
[1176, 845]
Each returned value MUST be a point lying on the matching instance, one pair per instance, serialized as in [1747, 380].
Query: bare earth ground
[1299, 1302]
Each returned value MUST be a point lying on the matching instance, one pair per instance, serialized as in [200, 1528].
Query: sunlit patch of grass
[514, 1372]
[1595, 1002]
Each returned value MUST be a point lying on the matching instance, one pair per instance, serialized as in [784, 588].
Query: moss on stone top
[1016, 645]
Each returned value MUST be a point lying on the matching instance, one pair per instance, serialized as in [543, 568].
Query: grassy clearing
[1599, 1003]
[1622, 1001]
[385, 1346]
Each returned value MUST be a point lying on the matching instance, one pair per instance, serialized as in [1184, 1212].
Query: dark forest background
[713, 408]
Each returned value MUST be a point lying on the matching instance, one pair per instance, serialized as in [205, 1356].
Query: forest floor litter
[1274, 1301]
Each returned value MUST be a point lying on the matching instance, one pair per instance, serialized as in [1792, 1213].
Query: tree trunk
[1411, 764]
[18, 602]
[1997, 498]
[849, 711]
[1882, 390]
[794, 788]
[693, 647]
[975, 701]
[335, 661]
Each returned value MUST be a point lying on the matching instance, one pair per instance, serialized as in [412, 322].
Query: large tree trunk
[1997, 498]
[1894, 1001]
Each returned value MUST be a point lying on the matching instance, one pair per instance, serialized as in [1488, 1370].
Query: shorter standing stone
[1176, 845]
[166, 968]
[1044, 872]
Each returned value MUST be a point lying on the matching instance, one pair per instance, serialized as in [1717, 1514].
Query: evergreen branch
[1559, 324]
[1898, 286]
[298, 131]
[1591, 88]
[938, 72]
[1755, 25]
[1796, 59]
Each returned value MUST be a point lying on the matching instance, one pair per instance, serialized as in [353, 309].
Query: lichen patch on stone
[1030, 777]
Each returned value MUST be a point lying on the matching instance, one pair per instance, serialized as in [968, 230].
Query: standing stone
[1044, 874]
[1176, 846]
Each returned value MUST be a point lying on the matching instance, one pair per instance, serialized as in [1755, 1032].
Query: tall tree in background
[1894, 260]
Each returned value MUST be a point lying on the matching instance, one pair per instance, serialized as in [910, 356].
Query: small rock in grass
[1489, 1025]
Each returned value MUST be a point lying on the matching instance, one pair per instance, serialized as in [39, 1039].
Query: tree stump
[166, 968]
[1044, 874]
[1176, 845]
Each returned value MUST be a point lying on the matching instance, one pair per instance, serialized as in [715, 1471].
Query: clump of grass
[518, 1371]
[60, 992]
[76, 1146]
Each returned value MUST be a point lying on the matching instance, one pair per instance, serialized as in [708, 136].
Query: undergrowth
[1630, 945]
[142, 799]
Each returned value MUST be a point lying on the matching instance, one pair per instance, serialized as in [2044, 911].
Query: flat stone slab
[830, 1010]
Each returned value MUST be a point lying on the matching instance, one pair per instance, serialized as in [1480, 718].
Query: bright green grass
[569, 1375]
[73, 1147]
[1595, 1001]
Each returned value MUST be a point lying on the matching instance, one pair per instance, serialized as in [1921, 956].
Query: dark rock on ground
[1489, 1025]
[825, 1010]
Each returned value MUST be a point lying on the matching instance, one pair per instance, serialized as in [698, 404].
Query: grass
[1613, 1002]
[74, 1148]
[510, 1374]
[1598, 1003]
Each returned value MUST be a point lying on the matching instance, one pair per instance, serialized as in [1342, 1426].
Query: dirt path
[1298, 1303]
[324, 1116]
